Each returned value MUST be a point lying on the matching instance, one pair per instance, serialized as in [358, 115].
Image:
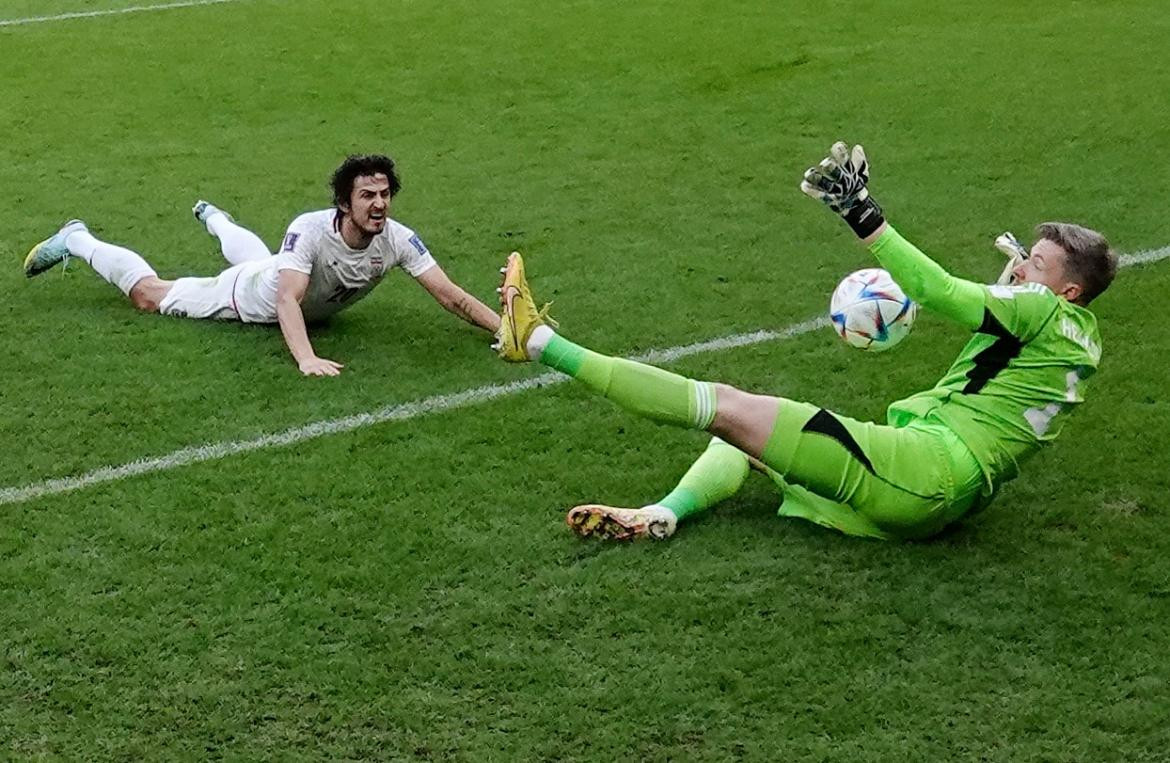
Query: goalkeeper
[943, 453]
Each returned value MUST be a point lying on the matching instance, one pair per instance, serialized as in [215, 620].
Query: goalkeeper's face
[1046, 265]
[368, 203]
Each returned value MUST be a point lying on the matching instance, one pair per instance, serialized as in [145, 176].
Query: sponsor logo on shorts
[290, 240]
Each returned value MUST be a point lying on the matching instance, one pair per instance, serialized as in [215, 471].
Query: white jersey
[338, 275]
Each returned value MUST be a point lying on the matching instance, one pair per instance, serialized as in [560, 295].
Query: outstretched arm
[290, 290]
[841, 182]
[924, 280]
[457, 301]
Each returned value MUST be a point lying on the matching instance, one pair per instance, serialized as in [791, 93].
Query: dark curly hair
[356, 166]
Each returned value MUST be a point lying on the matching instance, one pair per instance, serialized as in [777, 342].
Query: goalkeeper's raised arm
[841, 182]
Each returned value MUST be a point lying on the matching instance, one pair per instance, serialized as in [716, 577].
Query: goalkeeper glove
[840, 182]
[1016, 253]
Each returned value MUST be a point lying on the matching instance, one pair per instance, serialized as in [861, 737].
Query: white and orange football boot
[613, 523]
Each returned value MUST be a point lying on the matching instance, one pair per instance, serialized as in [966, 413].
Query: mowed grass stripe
[415, 409]
[111, 12]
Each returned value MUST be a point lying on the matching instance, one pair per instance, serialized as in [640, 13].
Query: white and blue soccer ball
[870, 311]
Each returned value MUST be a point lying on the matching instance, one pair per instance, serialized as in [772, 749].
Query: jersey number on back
[1040, 419]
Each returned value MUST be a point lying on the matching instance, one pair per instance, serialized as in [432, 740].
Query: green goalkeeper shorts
[870, 479]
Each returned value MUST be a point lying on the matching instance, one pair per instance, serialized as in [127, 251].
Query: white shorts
[240, 293]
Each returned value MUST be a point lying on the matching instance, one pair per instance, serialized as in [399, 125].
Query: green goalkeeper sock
[659, 395]
[717, 475]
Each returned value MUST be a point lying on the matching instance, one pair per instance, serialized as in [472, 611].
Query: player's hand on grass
[320, 367]
[1016, 253]
[841, 182]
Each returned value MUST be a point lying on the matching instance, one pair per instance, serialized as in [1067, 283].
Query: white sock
[660, 507]
[538, 340]
[118, 265]
[237, 243]
[663, 523]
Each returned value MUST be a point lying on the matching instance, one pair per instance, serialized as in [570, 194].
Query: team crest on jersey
[290, 240]
[377, 261]
[417, 243]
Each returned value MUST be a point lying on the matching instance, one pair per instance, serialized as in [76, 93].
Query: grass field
[407, 590]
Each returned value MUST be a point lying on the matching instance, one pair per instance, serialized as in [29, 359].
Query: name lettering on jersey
[417, 243]
[290, 240]
[1071, 331]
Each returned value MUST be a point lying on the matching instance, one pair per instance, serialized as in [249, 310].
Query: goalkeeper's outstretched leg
[905, 482]
[741, 418]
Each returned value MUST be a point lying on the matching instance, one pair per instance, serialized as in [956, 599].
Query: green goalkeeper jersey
[1005, 394]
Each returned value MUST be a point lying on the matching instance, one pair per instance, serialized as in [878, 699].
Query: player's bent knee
[147, 294]
[143, 300]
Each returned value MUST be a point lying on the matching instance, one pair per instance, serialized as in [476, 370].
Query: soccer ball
[870, 311]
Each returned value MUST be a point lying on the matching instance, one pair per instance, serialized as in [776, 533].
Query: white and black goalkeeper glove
[1016, 253]
[840, 182]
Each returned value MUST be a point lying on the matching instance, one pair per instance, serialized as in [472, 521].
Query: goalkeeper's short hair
[1090, 261]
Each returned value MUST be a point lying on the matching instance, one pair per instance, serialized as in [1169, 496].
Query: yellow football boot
[518, 313]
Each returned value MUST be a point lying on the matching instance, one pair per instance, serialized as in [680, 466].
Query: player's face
[369, 202]
[1045, 265]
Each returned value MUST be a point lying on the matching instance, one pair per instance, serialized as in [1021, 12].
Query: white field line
[401, 412]
[405, 411]
[1141, 258]
[111, 12]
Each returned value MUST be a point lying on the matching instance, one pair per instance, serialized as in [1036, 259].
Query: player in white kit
[327, 261]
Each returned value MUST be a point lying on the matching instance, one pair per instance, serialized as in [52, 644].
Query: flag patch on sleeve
[417, 243]
[290, 240]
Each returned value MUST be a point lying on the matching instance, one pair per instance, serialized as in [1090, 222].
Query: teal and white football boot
[205, 209]
[52, 250]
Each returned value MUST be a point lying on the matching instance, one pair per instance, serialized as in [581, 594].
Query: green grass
[407, 591]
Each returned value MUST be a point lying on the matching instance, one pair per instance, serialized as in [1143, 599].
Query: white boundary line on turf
[1141, 258]
[111, 12]
[401, 412]
[411, 410]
